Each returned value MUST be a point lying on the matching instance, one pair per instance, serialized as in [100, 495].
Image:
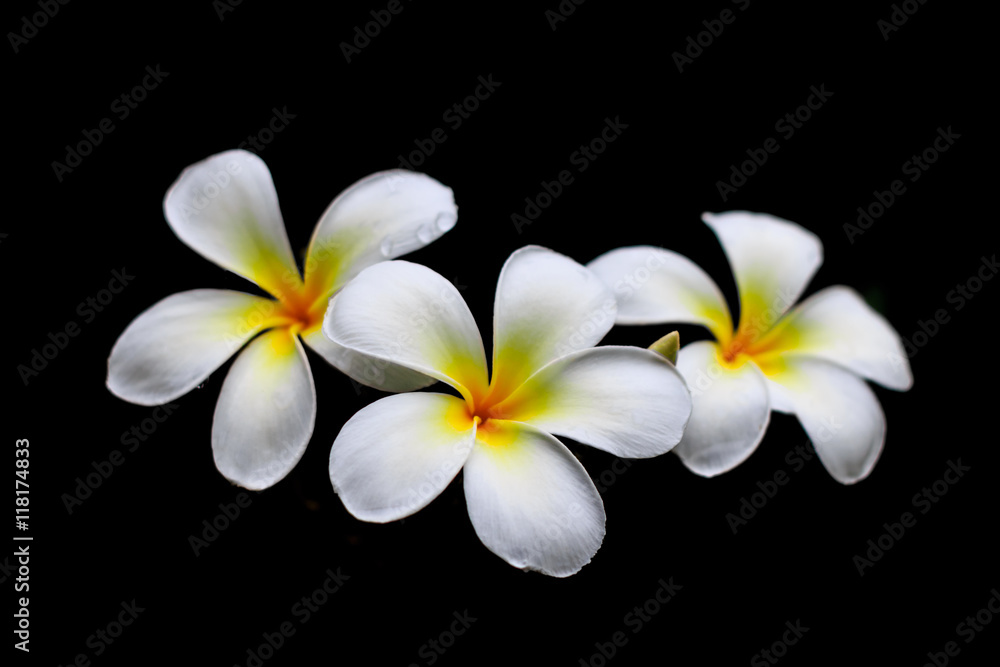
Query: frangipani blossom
[529, 499]
[226, 209]
[811, 361]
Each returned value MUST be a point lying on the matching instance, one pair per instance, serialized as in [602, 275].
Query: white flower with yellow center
[810, 361]
[226, 209]
[529, 499]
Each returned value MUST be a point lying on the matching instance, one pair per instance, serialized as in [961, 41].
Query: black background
[793, 561]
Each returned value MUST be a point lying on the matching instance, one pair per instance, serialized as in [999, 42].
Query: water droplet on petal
[386, 247]
[426, 233]
[445, 221]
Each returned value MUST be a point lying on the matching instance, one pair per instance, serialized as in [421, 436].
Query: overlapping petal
[376, 373]
[730, 410]
[547, 305]
[653, 285]
[772, 260]
[380, 217]
[837, 325]
[625, 400]
[530, 500]
[396, 455]
[838, 411]
[226, 209]
[266, 411]
[407, 314]
[171, 348]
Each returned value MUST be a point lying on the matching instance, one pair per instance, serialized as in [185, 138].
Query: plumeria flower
[529, 499]
[226, 209]
[811, 361]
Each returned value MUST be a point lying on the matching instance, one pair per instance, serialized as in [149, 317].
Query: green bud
[668, 346]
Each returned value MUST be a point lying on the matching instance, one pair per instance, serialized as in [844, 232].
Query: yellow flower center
[745, 345]
[482, 407]
[300, 308]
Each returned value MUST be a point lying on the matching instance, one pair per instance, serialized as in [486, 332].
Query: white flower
[226, 209]
[529, 499]
[810, 363]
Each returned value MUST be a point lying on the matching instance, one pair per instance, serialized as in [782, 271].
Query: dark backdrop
[224, 75]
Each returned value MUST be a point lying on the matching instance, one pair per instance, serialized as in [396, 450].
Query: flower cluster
[399, 326]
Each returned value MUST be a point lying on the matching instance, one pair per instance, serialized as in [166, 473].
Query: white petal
[779, 397]
[226, 209]
[547, 305]
[654, 286]
[772, 260]
[396, 455]
[625, 400]
[266, 412]
[730, 410]
[382, 216]
[171, 348]
[409, 315]
[371, 372]
[531, 502]
[839, 412]
[837, 325]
